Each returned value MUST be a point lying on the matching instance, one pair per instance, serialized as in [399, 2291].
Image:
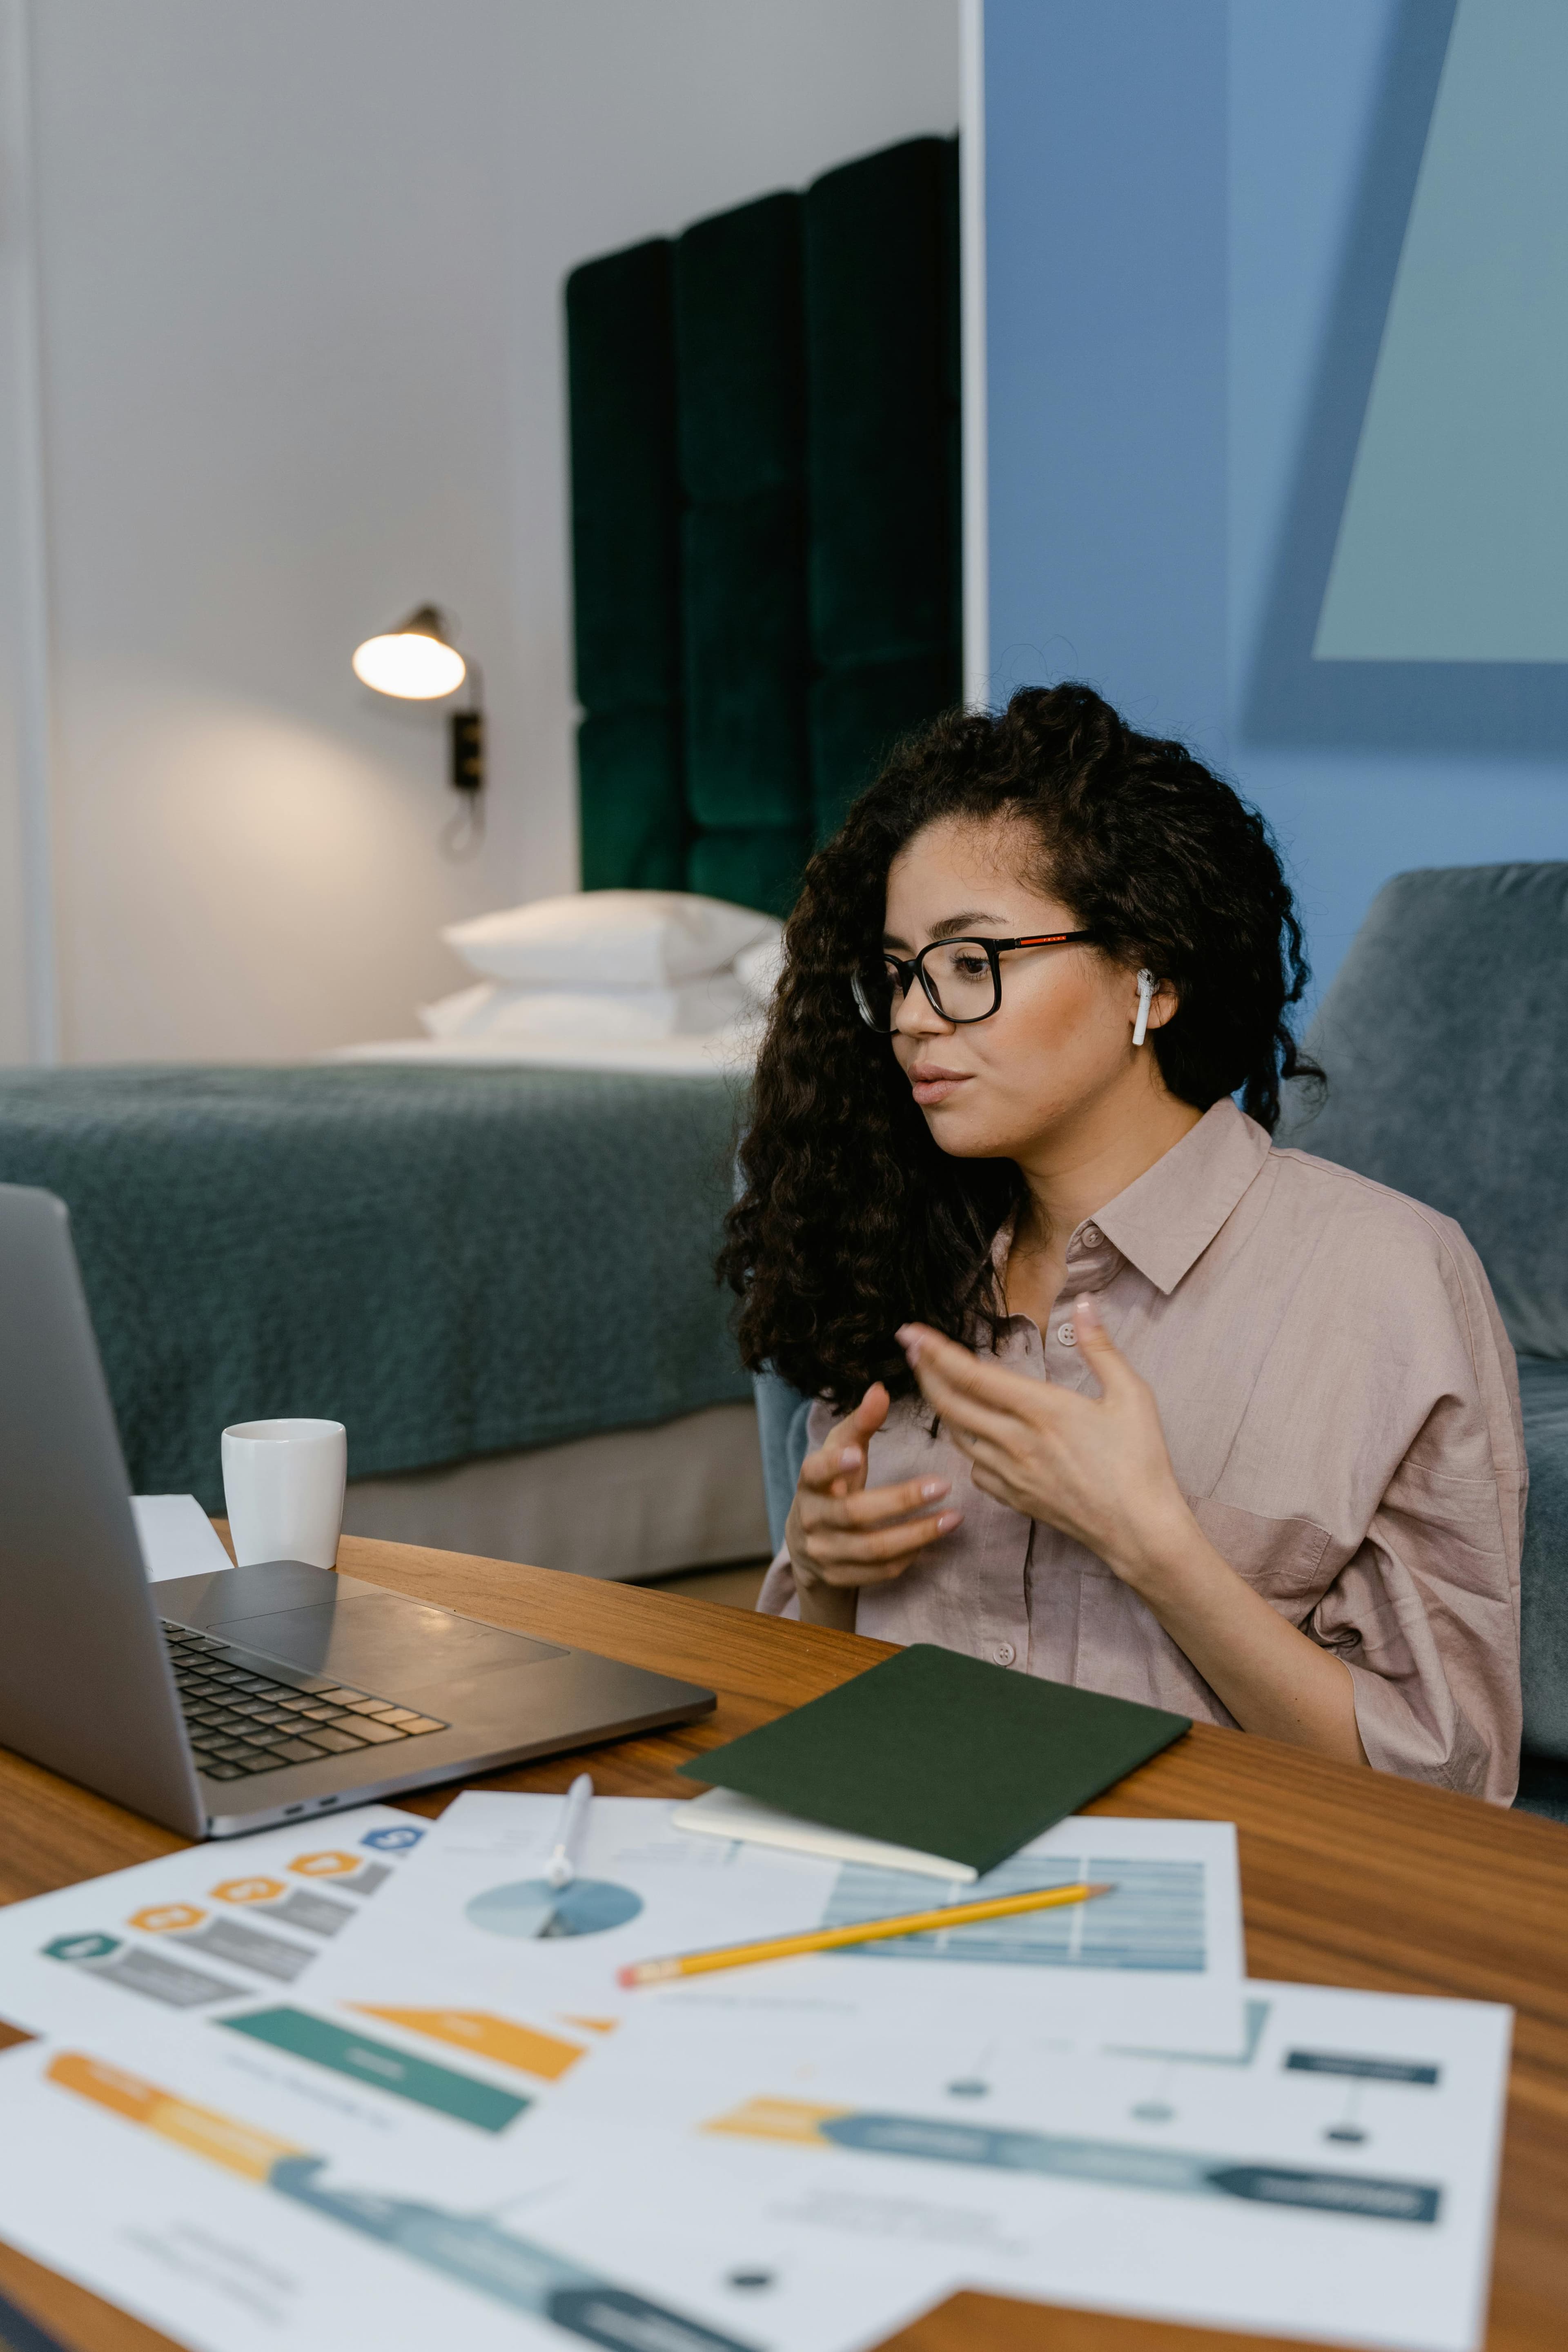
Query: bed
[493, 1261]
[498, 1274]
[727, 1052]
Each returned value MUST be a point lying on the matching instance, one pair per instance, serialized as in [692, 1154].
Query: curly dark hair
[853, 1221]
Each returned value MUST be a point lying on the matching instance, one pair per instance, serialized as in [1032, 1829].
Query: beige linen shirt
[1342, 1409]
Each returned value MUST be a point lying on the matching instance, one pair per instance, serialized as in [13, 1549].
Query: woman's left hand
[1096, 1467]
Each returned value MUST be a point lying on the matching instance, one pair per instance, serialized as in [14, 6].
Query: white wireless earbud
[1145, 991]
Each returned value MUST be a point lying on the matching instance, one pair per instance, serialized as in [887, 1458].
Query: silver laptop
[230, 1702]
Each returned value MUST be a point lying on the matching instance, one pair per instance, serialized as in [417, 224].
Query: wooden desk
[1348, 1878]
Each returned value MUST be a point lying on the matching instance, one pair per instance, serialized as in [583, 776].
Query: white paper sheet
[198, 1932]
[437, 2126]
[1335, 2181]
[454, 1954]
[240, 2199]
[736, 2183]
[177, 1537]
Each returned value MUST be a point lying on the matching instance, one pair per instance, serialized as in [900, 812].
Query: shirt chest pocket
[1281, 1558]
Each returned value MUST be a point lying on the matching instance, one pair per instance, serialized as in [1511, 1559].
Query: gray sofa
[1445, 1036]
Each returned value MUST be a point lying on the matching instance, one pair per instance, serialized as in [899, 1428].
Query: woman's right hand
[842, 1534]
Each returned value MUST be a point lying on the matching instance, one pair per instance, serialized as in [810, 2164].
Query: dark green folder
[943, 1753]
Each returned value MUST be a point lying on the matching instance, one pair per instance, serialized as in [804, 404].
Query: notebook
[960, 1760]
[724, 1813]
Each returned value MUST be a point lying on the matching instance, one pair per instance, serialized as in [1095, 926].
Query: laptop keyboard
[241, 1721]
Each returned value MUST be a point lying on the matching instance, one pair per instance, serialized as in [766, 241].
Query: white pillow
[608, 938]
[623, 1015]
[760, 969]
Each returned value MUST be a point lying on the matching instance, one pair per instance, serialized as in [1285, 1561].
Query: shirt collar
[1164, 1221]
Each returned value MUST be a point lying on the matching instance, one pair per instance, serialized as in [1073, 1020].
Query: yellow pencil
[863, 1931]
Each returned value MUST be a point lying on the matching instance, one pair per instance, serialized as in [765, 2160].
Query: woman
[1109, 1389]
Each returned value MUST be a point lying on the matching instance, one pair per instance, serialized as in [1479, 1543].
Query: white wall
[298, 290]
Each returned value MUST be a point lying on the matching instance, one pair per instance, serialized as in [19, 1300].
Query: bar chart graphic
[1154, 1920]
[471, 2250]
[1107, 2164]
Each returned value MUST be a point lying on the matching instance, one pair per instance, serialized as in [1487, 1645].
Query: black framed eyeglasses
[961, 978]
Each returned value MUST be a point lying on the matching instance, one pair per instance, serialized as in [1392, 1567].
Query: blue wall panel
[1106, 273]
[1195, 215]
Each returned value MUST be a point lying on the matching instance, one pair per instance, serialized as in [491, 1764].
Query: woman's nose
[916, 1016]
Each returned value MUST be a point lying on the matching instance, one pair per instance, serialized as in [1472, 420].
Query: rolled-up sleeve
[778, 1596]
[1426, 1613]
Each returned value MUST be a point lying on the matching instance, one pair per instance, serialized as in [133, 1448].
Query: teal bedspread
[452, 1261]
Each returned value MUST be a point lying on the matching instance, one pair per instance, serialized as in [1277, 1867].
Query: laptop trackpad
[384, 1643]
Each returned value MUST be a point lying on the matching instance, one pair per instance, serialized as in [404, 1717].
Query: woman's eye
[969, 967]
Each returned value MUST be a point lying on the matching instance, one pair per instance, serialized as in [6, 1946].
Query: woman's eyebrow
[950, 928]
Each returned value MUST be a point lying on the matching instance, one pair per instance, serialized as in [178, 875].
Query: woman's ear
[1163, 1004]
[1157, 1002]
[1145, 996]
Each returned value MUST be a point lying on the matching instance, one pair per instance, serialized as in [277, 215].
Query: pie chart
[532, 1909]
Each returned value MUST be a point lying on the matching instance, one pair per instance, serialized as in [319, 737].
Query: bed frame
[765, 485]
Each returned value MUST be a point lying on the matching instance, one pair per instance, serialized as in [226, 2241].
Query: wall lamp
[419, 662]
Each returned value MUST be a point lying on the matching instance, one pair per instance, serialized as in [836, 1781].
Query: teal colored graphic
[379, 2064]
[1362, 2070]
[81, 1948]
[475, 2252]
[1113, 2165]
[392, 1840]
[533, 1909]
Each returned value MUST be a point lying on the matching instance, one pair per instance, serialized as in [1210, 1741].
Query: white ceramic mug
[283, 1483]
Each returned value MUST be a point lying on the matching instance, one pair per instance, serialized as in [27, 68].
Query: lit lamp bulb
[413, 661]
[416, 663]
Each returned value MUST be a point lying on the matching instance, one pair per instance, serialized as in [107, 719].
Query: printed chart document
[472, 1956]
[237, 2200]
[451, 2123]
[197, 1933]
[472, 1922]
[1335, 2179]
[792, 2184]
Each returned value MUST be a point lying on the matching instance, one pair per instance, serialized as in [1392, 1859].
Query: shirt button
[1005, 1654]
[1068, 1334]
[1091, 1238]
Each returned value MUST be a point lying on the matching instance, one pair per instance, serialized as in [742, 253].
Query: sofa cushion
[1543, 1392]
[1444, 1037]
[1543, 1788]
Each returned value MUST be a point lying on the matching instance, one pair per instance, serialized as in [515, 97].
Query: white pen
[562, 1867]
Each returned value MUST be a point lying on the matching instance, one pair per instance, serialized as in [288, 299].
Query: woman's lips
[930, 1084]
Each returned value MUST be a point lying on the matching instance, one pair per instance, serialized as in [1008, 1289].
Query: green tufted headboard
[765, 521]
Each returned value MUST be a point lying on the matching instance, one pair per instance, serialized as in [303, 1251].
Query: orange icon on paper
[160, 1919]
[325, 1865]
[248, 1890]
[500, 2037]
